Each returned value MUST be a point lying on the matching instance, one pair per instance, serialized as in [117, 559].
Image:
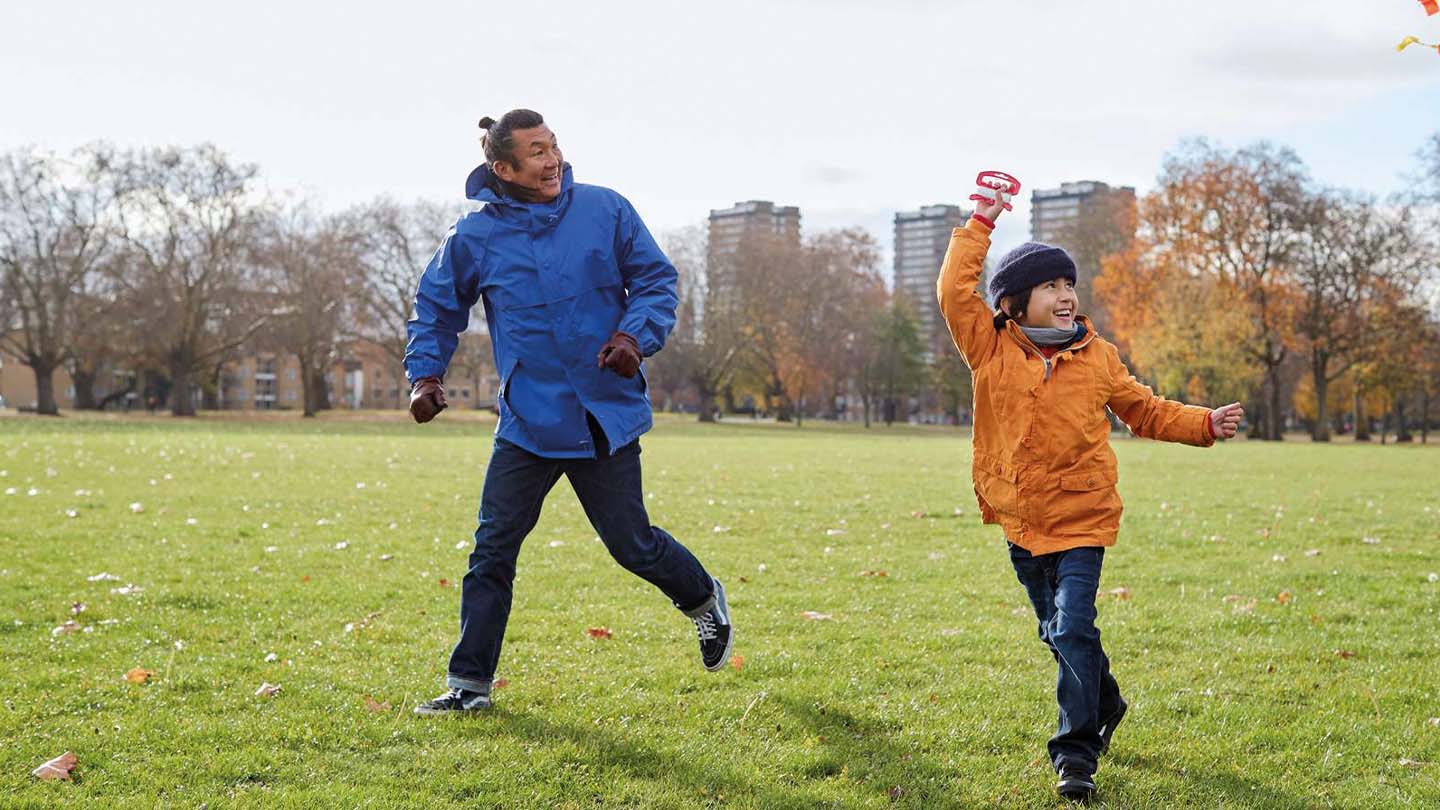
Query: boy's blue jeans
[610, 491]
[1062, 588]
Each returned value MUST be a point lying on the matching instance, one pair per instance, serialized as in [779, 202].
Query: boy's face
[535, 174]
[1052, 304]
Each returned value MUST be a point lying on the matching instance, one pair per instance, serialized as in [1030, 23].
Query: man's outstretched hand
[621, 354]
[427, 399]
[1224, 421]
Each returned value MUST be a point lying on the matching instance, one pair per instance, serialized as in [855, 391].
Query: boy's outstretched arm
[969, 319]
[1155, 417]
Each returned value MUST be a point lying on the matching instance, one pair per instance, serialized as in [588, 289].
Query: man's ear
[503, 170]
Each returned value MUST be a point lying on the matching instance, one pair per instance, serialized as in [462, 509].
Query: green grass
[926, 689]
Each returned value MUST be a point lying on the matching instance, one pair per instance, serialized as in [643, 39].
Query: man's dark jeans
[610, 491]
[1062, 588]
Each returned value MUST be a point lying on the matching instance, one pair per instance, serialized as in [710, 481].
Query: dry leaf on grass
[896, 793]
[1284, 597]
[139, 675]
[500, 683]
[268, 690]
[1122, 593]
[738, 662]
[70, 626]
[374, 706]
[875, 573]
[599, 632]
[1314, 552]
[444, 583]
[815, 616]
[1345, 653]
[57, 768]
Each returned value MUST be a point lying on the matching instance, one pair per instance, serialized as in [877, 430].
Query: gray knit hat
[1027, 266]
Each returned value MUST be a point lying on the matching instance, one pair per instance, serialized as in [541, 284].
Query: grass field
[1278, 646]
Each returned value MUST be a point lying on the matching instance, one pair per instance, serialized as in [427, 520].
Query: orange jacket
[1043, 467]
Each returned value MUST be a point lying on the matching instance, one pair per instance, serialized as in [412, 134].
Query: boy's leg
[516, 483]
[610, 490]
[1076, 640]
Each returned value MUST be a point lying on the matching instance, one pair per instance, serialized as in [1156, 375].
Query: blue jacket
[557, 279]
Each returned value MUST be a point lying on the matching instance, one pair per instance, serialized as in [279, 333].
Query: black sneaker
[1075, 785]
[1107, 726]
[456, 701]
[716, 635]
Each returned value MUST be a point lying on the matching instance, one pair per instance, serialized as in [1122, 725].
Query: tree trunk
[45, 404]
[1402, 430]
[1321, 433]
[706, 395]
[865, 399]
[182, 403]
[322, 389]
[1424, 417]
[84, 382]
[1276, 421]
[1362, 422]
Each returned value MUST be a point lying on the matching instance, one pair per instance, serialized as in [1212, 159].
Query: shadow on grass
[1234, 788]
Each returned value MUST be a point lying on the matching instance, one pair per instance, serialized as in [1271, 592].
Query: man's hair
[499, 139]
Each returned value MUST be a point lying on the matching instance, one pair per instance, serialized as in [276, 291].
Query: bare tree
[56, 229]
[306, 261]
[396, 241]
[705, 348]
[189, 218]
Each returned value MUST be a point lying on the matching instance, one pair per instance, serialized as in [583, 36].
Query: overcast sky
[849, 109]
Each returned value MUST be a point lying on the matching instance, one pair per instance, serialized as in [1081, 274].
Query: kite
[1408, 41]
[1432, 7]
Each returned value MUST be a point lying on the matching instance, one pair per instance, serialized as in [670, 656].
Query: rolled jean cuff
[697, 612]
[469, 685]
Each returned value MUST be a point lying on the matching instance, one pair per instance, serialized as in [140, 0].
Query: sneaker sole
[424, 712]
[729, 642]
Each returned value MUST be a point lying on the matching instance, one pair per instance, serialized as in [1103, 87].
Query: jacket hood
[483, 186]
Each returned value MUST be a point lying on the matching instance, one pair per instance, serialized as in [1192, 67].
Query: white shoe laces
[705, 627]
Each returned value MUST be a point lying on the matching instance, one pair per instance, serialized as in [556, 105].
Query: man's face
[535, 173]
[1052, 304]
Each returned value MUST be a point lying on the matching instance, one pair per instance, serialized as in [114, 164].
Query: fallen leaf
[834, 532]
[77, 608]
[444, 583]
[386, 557]
[1122, 593]
[917, 514]
[896, 792]
[57, 768]
[137, 508]
[1345, 653]
[1406, 762]
[1314, 552]
[70, 626]
[102, 577]
[374, 706]
[1434, 722]
[599, 632]
[268, 690]
[500, 683]
[876, 573]
[738, 662]
[1284, 597]
[138, 675]
[814, 616]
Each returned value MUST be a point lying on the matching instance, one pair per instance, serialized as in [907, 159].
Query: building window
[290, 374]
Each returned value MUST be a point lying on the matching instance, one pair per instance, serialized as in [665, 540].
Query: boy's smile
[1052, 304]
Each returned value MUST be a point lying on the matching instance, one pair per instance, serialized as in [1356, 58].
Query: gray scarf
[1050, 337]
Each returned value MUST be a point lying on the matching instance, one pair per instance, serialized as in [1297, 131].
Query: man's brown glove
[427, 399]
[621, 355]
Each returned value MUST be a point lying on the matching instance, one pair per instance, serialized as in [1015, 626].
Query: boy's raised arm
[968, 317]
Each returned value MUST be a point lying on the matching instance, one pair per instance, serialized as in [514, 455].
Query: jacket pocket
[1089, 481]
[995, 485]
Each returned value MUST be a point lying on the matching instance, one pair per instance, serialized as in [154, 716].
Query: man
[576, 292]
